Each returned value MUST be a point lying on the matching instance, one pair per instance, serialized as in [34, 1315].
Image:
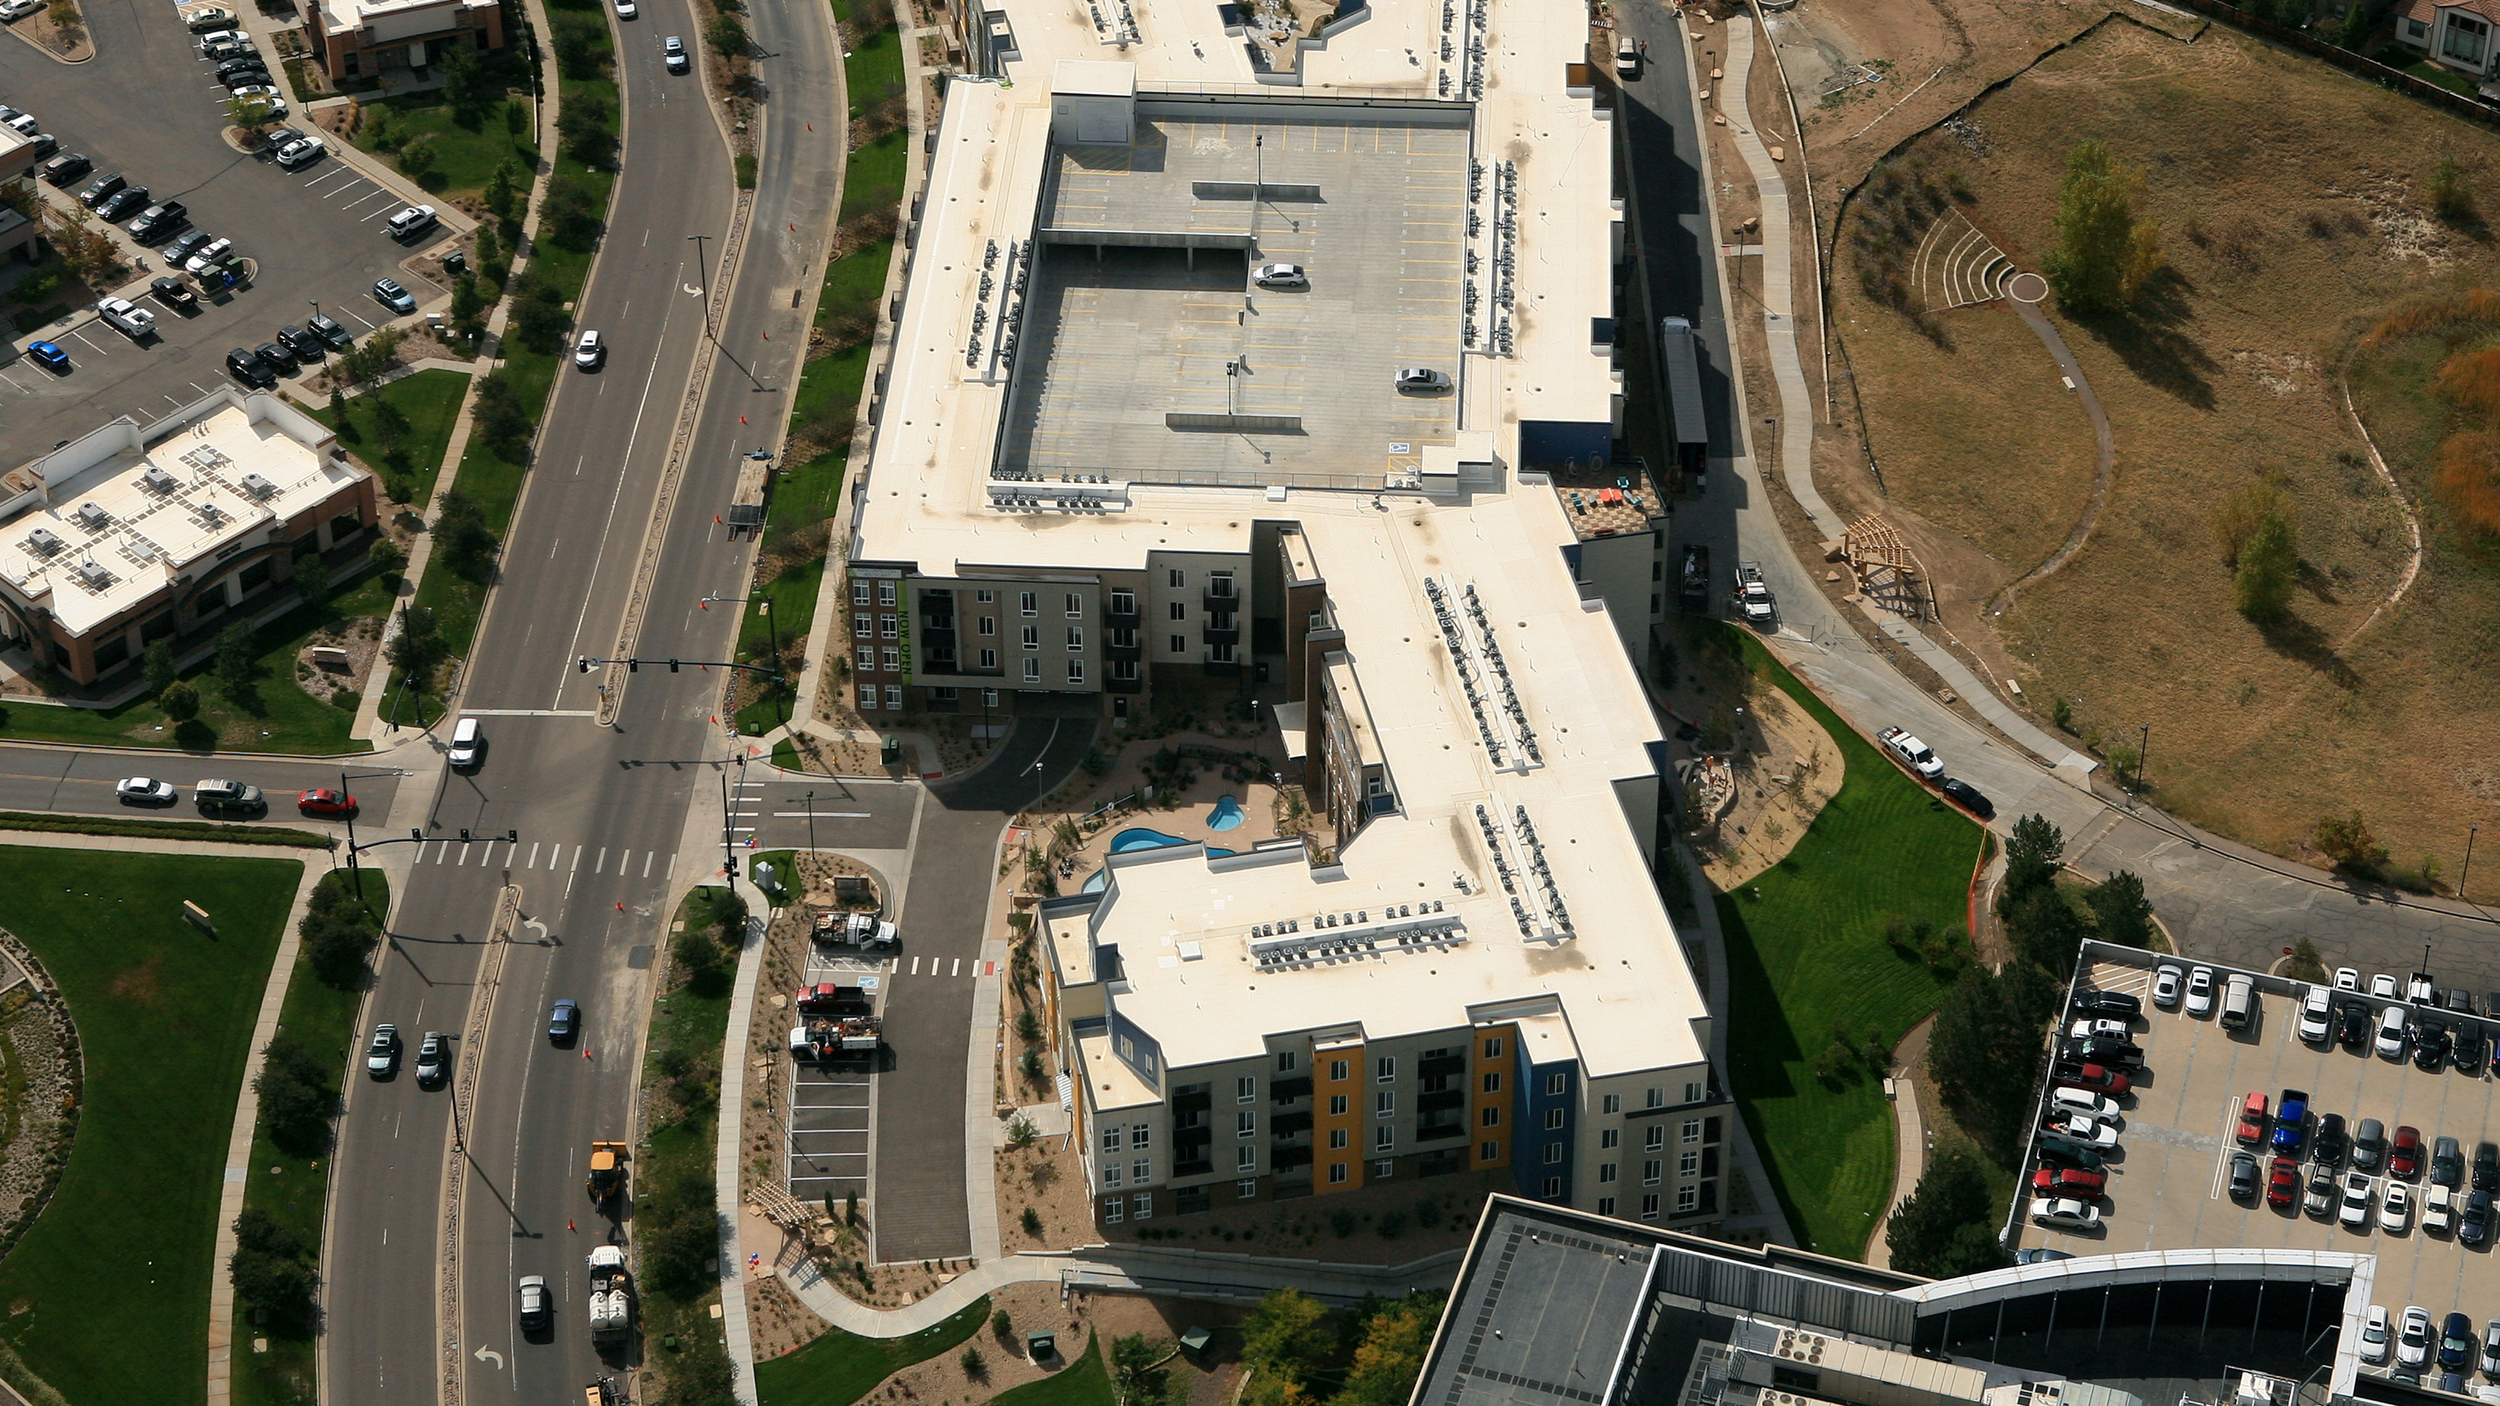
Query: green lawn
[488, 477]
[465, 157]
[277, 717]
[431, 401]
[793, 597]
[63, 823]
[1805, 944]
[113, 1279]
[840, 1368]
[677, 1151]
[874, 178]
[1083, 1382]
[296, 1189]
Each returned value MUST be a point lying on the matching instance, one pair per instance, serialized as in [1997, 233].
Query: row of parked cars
[2096, 1064]
[220, 797]
[2346, 1166]
[2414, 1345]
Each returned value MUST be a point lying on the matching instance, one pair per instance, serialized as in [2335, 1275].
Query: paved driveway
[146, 107]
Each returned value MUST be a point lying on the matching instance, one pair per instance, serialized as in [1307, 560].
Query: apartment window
[862, 626]
[893, 658]
[989, 624]
[1073, 606]
[1553, 1154]
[1614, 1103]
[1493, 1082]
[1140, 1171]
[1493, 1048]
[1028, 603]
[1649, 1207]
[1436, 1083]
[1692, 1130]
[1076, 638]
[1553, 1119]
[948, 695]
[1556, 1083]
[1180, 644]
[1245, 1089]
[1653, 1138]
[1384, 1138]
[894, 697]
[1246, 1124]
[1336, 1105]
[1123, 602]
[1245, 1190]
[1110, 1174]
[1246, 1160]
[1488, 1152]
[1382, 1171]
[868, 698]
[1553, 1187]
[1076, 671]
[1657, 1099]
[885, 593]
[1385, 1103]
[1121, 637]
[1336, 1139]
[1032, 671]
[1284, 1061]
[1141, 1137]
[1493, 1117]
[868, 660]
[1336, 1170]
[889, 627]
[1687, 1199]
[1339, 1070]
[984, 597]
[989, 696]
[1692, 1093]
[1651, 1172]
[859, 593]
[1179, 611]
[1220, 583]
[1114, 1210]
[1605, 1205]
[1032, 636]
[989, 660]
[1178, 578]
[1219, 653]
[1605, 1173]
[1385, 1069]
[1142, 1206]
[1610, 1137]
[1125, 670]
[1688, 1163]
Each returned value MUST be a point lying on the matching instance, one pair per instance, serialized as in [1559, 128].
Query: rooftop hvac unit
[159, 480]
[91, 516]
[43, 542]
[258, 487]
[94, 575]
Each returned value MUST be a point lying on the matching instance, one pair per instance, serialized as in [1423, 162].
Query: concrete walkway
[1909, 1153]
[2105, 464]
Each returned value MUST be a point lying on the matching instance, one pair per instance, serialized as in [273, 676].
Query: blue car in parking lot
[50, 357]
[2291, 1122]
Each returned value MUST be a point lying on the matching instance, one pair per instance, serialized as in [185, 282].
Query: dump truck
[867, 931]
[607, 1172]
[1695, 581]
[611, 1300]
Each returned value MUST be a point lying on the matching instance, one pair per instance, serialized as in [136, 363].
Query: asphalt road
[81, 782]
[621, 796]
[145, 107]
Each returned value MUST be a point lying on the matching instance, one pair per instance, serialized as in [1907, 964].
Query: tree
[975, 1365]
[1286, 1337]
[1391, 1353]
[270, 1272]
[2031, 856]
[156, 664]
[580, 42]
[386, 555]
[339, 418]
[179, 701]
[2347, 840]
[1943, 1228]
[2359, 16]
[2235, 520]
[2119, 908]
[501, 194]
[237, 661]
[296, 1099]
[1985, 1049]
[253, 114]
[583, 128]
[570, 214]
[491, 263]
[2305, 964]
[2096, 250]
[461, 537]
[2452, 195]
[1135, 1377]
[539, 319]
[390, 423]
[418, 649]
[499, 418]
[337, 943]
[419, 158]
[465, 89]
[2046, 930]
[728, 37]
[2269, 568]
[312, 579]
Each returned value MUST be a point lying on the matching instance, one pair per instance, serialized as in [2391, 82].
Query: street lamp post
[2143, 745]
[2470, 832]
[772, 640]
[356, 874]
[703, 272]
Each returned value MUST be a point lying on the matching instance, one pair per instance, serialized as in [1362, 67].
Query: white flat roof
[1093, 78]
[117, 521]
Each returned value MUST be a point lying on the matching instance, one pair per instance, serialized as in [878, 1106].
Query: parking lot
[147, 107]
[829, 1103]
[2167, 1179]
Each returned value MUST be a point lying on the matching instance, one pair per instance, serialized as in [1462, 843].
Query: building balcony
[1111, 650]
[1198, 1168]
[1213, 633]
[1284, 1159]
[1442, 1064]
[1120, 685]
[1220, 600]
[1192, 1103]
[1289, 1088]
[1285, 1125]
[1445, 1098]
[1439, 1132]
[1112, 614]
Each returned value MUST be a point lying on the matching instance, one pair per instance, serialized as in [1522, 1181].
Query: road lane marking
[915, 966]
[824, 814]
[577, 860]
[959, 967]
[555, 858]
[601, 866]
[647, 857]
[533, 856]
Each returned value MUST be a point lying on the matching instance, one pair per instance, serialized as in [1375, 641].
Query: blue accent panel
[1530, 1137]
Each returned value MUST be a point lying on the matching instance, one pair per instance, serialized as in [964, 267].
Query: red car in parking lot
[2097, 1078]
[2404, 1157]
[2283, 1183]
[323, 801]
[2067, 1181]
[2254, 1125]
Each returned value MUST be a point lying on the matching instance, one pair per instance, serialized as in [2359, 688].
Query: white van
[468, 744]
[2239, 1001]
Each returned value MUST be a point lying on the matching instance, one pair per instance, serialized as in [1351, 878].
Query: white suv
[411, 220]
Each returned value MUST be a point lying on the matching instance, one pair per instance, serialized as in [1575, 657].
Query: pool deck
[1188, 823]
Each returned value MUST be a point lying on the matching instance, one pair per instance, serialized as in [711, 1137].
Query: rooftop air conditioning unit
[91, 516]
[258, 487]
[43, 542]
[158, 480]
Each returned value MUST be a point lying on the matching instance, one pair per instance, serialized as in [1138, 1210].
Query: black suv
[2331, 1143]
[104, 187]
[66, 167]
[2469, 1049]
[2352, 1024]
[2430, 1045]
[2116, 1005]
[303, 344]
[249, 369]
[124, 201]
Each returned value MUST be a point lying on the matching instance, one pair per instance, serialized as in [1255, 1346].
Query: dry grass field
[2295, 213]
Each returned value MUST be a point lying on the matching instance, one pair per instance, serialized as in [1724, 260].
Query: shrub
[296, 1099]
[2347, 841]
[179, 701]
[2269, 567]
[1031, 1220]
[570, 214]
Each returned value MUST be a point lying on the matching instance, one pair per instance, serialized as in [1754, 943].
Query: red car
[2097, 1078]
[326, 802]
[2404, 1157]
[2283, 1183]
[2253, 1126]
[2067, 1181]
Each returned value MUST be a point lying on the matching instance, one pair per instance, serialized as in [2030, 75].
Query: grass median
[1809, 967]
[430, 403]
[108, 1292]
[135, 828]
[675, 1192]
[839, 1368]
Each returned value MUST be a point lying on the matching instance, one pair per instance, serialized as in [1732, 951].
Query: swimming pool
[1226, 815]
[1139, 837]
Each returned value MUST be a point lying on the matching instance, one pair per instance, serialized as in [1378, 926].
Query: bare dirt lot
[2295, 212]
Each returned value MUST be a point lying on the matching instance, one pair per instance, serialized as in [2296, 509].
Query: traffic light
[633, 666]
[585, 663]
[672, 666]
